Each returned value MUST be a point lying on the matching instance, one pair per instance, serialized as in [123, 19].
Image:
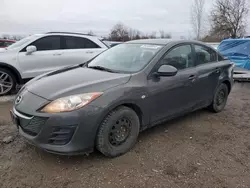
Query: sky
[36, 16]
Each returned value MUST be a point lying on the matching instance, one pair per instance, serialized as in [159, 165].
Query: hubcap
[220, 98]
[6, 83]
[120, 131]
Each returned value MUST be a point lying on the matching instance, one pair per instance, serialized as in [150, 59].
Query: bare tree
[119, 33]
[138, 34]
[162, 33]
[133, 34]
[90, 32]
[168, 36]
[228, 18]
[152, 35]
[197, 12]
[6, 36]
[165, 35]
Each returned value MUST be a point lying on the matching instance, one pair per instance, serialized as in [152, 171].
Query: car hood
[74, 80]
[3, 50]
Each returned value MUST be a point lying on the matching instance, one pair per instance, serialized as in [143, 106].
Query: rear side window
[179, 57]
[204, 55]
[48, 43]
[79, 43]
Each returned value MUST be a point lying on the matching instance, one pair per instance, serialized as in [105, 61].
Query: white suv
[41, 53]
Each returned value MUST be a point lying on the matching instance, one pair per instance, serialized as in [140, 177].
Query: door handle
[57, 54]
[89, 52]
[217, 70]
[192, 78]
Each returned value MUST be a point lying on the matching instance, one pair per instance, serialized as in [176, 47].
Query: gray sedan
[106, 102]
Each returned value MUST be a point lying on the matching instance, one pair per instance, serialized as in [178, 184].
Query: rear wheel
[118, 132]
[220, 98]
[7, 82]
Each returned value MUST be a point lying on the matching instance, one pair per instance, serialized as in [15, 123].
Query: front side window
[79, 43]
[48, 43]
[126, 57]
[180, 57]
[204, 55]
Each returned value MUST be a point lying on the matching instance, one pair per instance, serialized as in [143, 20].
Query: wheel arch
[228, 84]
[13, 70]
[136, 109]
[130, 104]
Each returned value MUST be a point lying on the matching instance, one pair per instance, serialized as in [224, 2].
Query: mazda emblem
[18, 99]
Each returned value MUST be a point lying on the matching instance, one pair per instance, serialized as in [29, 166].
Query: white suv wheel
[6, 82]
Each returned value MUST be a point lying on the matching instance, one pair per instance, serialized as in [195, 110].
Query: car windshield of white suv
[21, 42]
[127, 58]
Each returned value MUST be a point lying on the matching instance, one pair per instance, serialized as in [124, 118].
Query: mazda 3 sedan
[106, 102]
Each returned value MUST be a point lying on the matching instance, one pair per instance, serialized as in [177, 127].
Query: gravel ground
[199, 150]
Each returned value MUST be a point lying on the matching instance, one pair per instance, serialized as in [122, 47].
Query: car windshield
[21, 42]
[126, 58]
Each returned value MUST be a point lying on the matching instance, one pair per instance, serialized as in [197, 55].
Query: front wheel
[220, 98]
[7, 82]
[118, 132]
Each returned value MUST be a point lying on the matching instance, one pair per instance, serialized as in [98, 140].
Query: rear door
[48, 57]
[79, 49]
[208, 70]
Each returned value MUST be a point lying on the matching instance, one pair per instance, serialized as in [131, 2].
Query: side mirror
[30, 49]
[167, 70]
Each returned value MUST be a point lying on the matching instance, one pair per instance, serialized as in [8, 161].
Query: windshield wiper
[102, 68]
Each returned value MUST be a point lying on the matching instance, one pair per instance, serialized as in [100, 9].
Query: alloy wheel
[6, 83]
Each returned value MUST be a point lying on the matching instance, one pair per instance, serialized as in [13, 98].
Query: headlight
[70, 103]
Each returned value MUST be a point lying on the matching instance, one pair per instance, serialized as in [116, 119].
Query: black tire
[217, 106]
[11, 78]
[105, 142]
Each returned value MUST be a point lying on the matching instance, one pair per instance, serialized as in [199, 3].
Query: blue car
[237, 50]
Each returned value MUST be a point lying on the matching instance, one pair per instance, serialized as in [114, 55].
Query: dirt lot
[201, 149]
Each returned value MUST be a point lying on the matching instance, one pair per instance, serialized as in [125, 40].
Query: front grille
[61, 135]
[33, 126]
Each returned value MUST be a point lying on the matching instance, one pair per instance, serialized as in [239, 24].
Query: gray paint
[157, 98]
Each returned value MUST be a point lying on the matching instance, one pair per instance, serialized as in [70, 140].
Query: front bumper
[63, 133]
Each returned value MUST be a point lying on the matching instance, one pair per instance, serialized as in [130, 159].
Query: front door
[171, 96]
[48, 57]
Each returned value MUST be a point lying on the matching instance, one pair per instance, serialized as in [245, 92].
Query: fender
[227, 76]
[145, 116]
[15, 71]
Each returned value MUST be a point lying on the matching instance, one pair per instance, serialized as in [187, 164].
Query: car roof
[72, 34]
[162, 41]
[7, 40]
[151, 41]
[240, 39]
